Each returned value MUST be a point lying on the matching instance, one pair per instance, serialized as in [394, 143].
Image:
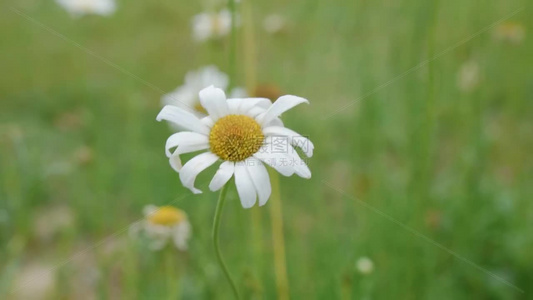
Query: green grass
[413, 154]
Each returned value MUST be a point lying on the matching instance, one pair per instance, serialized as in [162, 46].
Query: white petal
[206, 76]
[214, 101]
[208, 121]
[276, 159]
[175, 162]
[295, 138]
[248, 103]
[193, 167]
[185, 97]
[274, 122]
[186, 142]
[181, 234]
[222, 176]
[241, 106]
[201, 25]
[233, 105]
[135, 229]
[158, 243]
[245, 186]
[283, 104]
[300, 167]
[259, 175]
[183, 119]
[255, 111]
[149, 209]
[224, 22]
[155, 230]
[182, 97]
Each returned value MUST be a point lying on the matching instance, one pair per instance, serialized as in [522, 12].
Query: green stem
[278, 240]
[233, 44]
[216, 229]
[172, 276]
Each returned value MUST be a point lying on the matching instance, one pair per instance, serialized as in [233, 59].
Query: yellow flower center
[167, 216]
[235, 137]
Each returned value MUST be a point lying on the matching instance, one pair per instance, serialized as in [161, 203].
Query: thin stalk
[276, 215]
[172, 276]
[233, 44]
[430, 108]
[250, 75]
[216, 229]
[250, 60]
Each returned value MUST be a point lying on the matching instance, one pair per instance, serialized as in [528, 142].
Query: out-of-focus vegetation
[421, 113]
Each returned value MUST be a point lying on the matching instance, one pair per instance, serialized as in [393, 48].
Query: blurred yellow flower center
[85, 5]
[167, 215]
[216, 24]
[235, 137]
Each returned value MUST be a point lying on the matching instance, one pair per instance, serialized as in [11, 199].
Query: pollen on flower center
[167, 216]
[235, 137]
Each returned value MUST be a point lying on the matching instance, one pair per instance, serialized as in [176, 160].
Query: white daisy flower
[186, 96]
[468, 76]
[511, 32]
[243, 133]
[79, 8]
[365, 265]
[161, 225]
[274, 23]
[214, 25]
[52, 221]
[34, 281]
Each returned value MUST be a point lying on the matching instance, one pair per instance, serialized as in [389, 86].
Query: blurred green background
[421, 113]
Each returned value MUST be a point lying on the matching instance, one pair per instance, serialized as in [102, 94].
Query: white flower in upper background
[468, 77]
[186, 96]
[510, 32]
[161, 225]
[238, 92]
[274, 23]
[243, 133]
[79, 8]
[212, 25]
[365, 265]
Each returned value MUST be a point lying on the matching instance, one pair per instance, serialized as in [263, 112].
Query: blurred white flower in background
[78, 8]
[206, 26]
[52, 220]
[161, 225]
[238, 92]
[83, 273]
[34, 281]
[186, 96]
[364, 265]
[511, 32]
[274, 23]
[468, 76]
